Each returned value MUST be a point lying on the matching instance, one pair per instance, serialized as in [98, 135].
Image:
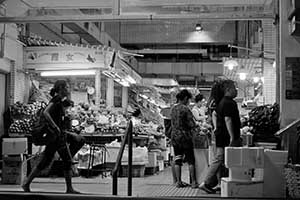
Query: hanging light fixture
[199, 27]
[230, 63]
[242, 73]
[256, 79]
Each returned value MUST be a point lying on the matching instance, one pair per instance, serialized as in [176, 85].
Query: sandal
[185, 184]
[195, 185]
[181, 184]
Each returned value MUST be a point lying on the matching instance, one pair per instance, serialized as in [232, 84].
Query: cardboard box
[14, 169]
[14, 146]
[241, 188]
[240, 174]
[152, 158]
[274, 180]
[244, 157]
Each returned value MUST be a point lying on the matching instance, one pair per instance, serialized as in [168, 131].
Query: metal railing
[127, 138]
[289, 140]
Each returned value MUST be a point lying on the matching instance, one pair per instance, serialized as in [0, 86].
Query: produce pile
[92, 120]
[264, 121]
[21, 126]
[23, 117]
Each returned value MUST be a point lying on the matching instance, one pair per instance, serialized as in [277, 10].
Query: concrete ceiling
[112, 10]
[169, 16]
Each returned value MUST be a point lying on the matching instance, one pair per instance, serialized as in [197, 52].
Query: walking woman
[54, 114]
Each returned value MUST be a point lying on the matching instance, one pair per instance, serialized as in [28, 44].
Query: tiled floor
[156, 185]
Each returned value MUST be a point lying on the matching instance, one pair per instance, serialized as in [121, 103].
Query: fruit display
[20, 110]
[264, 121]
[95, 120]
[21, 126]
[23, 116]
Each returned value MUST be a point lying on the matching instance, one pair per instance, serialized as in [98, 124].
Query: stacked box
[240, 174]
[268, 178]
[14, 146]
[241, 161]
[231, 188]
[14, 169]
[244, 157]
[274, 180]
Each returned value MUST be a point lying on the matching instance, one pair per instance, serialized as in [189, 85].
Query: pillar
[97, 87]
[110, 93]
[124, 97]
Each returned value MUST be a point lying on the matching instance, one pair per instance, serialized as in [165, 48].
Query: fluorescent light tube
[68, 73]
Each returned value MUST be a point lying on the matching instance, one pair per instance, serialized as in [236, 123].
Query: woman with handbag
[54, 114]
[200, 137]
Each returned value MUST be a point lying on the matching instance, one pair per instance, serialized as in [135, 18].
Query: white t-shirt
[199, 113]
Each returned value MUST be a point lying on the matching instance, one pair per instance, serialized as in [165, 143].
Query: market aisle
[148, 186]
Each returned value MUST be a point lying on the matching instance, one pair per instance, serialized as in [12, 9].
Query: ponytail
[52, 92]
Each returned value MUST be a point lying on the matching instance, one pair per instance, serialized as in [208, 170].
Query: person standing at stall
[199, 109]
[182, 124]
[200, 136]
[227, 132]
[54, 114]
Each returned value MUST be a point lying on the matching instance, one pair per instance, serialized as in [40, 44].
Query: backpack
[42, 133]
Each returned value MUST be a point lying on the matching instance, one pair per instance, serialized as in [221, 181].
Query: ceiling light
[199, 28]
[243, 76]
[231, 63]
[256, 79]
[68, 73]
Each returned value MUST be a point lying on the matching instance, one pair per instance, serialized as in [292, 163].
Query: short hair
[198, 98]
[227, 84]
[183, 94]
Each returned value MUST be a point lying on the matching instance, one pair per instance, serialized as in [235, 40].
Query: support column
[97, 87]
[124, 97]
[110, 93]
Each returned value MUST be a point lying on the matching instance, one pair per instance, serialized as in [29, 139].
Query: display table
[102, 138]
[99, 141]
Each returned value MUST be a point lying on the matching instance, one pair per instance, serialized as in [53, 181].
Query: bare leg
[68, 178]
[29, 179]
[173, 172]
[192, 172]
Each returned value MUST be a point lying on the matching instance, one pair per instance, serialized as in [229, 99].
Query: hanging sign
[86, 57]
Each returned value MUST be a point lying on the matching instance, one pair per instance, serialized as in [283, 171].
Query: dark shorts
[184, 154]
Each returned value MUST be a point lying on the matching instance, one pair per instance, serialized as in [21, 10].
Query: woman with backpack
[54, 114]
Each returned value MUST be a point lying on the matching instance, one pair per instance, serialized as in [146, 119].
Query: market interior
[121, 55]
